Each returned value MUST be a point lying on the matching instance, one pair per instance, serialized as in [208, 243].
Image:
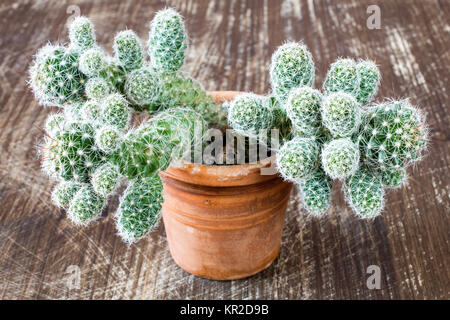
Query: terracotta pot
[224, 222]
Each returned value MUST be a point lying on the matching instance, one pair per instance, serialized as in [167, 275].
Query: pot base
[232, 274]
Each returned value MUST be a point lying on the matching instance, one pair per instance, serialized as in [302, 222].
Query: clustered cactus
[90, 147]
[334, 134]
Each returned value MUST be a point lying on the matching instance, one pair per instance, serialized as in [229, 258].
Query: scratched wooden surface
[231, 44]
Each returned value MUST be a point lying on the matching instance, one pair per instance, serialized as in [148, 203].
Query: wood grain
[230, 47]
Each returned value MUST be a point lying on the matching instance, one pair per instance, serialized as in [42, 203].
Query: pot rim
[221, 175]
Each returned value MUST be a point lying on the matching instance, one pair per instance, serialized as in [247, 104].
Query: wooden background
[41, 252]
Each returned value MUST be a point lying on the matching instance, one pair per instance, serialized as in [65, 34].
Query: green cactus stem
[139, 209]
[167, 41]
[292, 66]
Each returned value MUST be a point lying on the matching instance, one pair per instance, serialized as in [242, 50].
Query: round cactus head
[128, 50]
[365, 194]
[394, 135]
[64, 192]
[394, 178]
[340, 158]
[298, 158]
[97, 88]
[249, 113]
[315, 193]
[292, 66]
[73, 152]
[141, 87]
[370, 77]
[341, 114]
[303, 108]
[115, 111]
[55, 77]
[108, 138]
[139, 209]
[82, 34]
[167, 41]
[86, 206]
[92, 62]
[90, 111]
[342, 76]
[105, 179]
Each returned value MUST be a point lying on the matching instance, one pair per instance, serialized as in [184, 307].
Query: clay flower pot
[224, 222]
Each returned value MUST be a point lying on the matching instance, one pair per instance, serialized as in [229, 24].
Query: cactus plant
[139, 208]
[86, 206]
[303, 108]
[82, 34]
[105, 179]
[90, 111]
[54, 122]
[292, 66]
[355, 141]
[55, 77]
[393, 135]
[152, 146]
[167, 41]
[249, 113]
[97, 88]
[89, 148]
[114, 74]
[64, 192]
[370, 77]
[315, 193]
[178, 90]
[115, 111]
[73, 152]
[340, 158]
[141, 87]
[298, 158]
[342, 76]
[341, 114]
[128, 50]
[394, 178]
[92, 62]
[365, 194]
[108, 138]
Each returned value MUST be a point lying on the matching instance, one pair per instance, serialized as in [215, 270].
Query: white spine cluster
[340, 158]
[341, 114]
[298, 158]
[303, 108]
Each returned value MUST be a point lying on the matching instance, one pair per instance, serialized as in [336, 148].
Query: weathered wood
[231, 45]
